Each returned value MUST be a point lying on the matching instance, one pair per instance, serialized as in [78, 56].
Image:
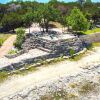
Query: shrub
[72, 52]
[20, 38]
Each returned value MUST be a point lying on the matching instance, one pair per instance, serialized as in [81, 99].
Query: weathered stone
[63, 83]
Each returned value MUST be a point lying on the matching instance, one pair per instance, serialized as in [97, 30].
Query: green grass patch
[92, 31]
[96, 44]
[78, 57]
[3, 37]
[12, 51]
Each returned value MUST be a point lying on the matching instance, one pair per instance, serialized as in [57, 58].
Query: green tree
[77, 20]
[88, 1]
[11, 21]
[45, 14]
[20, 38]
[81, 2]
[28, 19]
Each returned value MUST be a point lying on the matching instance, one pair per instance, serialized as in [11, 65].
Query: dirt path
[8, 44]
[51, 72]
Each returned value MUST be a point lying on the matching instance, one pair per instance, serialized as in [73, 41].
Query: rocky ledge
[82, 86]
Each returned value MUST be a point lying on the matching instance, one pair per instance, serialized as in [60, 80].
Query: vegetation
[77, 57]
[28, 19]
[96, 44]
[21, 14]
[77, 20]
[45, 14]
[72, 52]
[20, 38]
[87, 87]
[92, 31]
[3, 37]
[3, 76]
[11, 21]
[60, 95]
[12, 52]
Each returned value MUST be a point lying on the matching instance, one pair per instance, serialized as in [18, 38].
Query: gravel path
[8, 44]
[51, 72]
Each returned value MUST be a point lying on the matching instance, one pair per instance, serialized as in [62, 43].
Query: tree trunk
[13, 30]
[46, 26]
[29, 29]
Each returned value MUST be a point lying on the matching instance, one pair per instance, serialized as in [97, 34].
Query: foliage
[72, 52]
[11, 21]
[11, 17]
[28, 19]
[20, 38]
[45, 14]
[77, 20]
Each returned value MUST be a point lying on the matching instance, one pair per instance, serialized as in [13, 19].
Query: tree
[45, 14]
[77, 20]
[88, 1]
[28, 19]
[20, 38]
[81, 2]
[11, 21]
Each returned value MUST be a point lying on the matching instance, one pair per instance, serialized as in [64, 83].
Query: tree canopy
[77, 20]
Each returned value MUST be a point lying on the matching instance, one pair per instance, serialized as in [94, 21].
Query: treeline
[23, 14]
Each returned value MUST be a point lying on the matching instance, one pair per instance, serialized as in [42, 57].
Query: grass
[3, 76]
[96, 44]
[12, 52]
[3, 37]
[59, 95]
[25, 71]
[78, 57]
[82, 88]
[92, 31]
[73, 85]
[87, 87]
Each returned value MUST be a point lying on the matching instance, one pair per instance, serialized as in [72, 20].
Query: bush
[72, 52]
[20, 38]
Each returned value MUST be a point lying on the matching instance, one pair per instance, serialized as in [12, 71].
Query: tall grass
[3, 37]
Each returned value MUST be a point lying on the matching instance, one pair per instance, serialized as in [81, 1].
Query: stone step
[44, 49]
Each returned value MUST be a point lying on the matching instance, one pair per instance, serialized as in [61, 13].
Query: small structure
[53, 41]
